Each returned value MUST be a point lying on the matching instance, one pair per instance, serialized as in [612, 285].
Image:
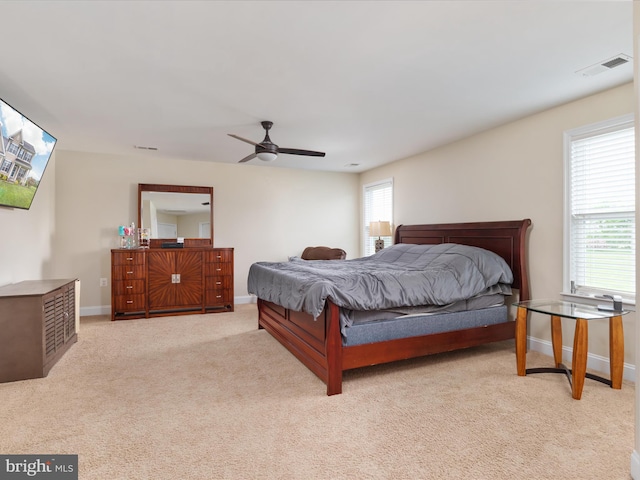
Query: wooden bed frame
[318, 343]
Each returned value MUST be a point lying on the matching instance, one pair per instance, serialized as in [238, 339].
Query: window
[378, 205]
[600, 209]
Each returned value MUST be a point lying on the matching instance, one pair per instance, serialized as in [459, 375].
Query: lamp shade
[267, 156]
[380, 229]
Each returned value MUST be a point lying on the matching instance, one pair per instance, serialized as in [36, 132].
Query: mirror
[172, 211]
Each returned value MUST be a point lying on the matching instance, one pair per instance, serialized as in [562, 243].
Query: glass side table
[582, 314]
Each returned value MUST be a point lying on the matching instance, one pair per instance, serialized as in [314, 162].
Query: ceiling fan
[268, 151]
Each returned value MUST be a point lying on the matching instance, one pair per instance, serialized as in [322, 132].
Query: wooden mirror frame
[188, 242]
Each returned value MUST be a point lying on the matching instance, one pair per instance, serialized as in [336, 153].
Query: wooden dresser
[162, 281]
[38, 324]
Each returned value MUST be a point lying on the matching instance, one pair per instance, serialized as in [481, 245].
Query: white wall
[26, 238]
[265, 213]
[511, 172]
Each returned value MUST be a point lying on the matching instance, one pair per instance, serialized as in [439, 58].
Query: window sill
[627, 303]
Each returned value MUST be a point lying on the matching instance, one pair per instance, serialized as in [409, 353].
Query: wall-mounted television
[25, 149]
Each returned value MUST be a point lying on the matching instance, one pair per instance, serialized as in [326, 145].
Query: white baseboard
[106, 309]
[246, 299]
[635, 465]
[99, 310]
[594, 362]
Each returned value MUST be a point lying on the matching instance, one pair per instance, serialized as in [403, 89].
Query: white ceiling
[367, 82]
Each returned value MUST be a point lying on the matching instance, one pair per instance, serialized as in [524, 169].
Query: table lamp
[379, 229]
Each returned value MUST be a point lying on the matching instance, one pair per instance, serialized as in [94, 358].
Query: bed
[322, 337]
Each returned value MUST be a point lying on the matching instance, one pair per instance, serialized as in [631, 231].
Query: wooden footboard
[316, 343]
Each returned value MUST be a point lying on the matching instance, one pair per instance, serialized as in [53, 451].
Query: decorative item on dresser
[38, 321]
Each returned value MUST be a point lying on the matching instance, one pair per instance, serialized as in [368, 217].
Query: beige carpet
[213, 397]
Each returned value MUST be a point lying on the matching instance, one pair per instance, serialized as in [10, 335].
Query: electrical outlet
[103, 282]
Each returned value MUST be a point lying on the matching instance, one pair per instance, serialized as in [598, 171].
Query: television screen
[25, 150]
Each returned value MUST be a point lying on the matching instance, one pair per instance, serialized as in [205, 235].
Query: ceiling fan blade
[242, 139]
[248, 157]
[296, 151]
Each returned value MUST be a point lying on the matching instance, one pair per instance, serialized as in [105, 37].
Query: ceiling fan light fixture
[267, 151]
[267, 156]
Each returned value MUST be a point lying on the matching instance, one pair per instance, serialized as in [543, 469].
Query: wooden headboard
[507, 239]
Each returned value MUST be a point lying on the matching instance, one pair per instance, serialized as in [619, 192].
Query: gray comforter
[400, 275]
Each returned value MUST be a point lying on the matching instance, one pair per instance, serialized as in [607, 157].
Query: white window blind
[378, 205]
[601, 209]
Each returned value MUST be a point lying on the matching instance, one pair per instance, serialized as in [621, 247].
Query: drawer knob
[129, 286]
[129, 301]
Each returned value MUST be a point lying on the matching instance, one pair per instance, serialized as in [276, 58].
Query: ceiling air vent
[615, 62]
[605, 65]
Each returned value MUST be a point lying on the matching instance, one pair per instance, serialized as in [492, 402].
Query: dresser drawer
[218, 297]
[218, 269]
[219, 290]
[128, 258]
[127, 272]
[218, 256]
[217, 283]
[128, 303]
[128, 287]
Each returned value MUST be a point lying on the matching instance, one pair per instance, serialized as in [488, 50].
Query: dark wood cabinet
[38, 323]
[157, 281]
[175, 280]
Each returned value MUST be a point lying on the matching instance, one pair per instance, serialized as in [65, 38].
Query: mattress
[403, 326]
